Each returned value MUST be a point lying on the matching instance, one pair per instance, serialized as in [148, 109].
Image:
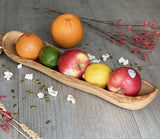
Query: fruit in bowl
[97, 74]
[73, 62]
[125, 80]
[49, 57]
[29, 46]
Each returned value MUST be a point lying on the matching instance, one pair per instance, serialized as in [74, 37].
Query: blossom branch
[140, 38]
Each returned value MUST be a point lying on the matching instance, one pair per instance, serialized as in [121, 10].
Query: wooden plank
[91, 117]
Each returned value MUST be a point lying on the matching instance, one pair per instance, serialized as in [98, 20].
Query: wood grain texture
[91, 117]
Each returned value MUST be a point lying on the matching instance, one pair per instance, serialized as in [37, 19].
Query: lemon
[49, 57]
[97, 74]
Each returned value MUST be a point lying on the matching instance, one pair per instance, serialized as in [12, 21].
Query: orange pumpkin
[67, 30]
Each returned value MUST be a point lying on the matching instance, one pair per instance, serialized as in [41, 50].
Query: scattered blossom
[145, 23]
[52, 92]
[152, 26]
[96, 61]
[93, 59]
[105, 57]
[129, 27]
[19, 66]
[122, 42]
[40, 95]
[8, 75]
[71, 98]
[121, 33]
[157, 32]
[118, 22]
[123, 61]
[28, 76]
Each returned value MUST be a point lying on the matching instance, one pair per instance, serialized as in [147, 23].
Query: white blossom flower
[19, 66]
[71, 98]
[0, 47]
[123, 61]
[40, 95]
[105, 57]
[52, 92]
[8, 75]
[29, 76]
[96, 61]
[126, 62]
[93, 58]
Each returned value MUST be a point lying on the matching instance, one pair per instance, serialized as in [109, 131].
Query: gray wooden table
[90, 117]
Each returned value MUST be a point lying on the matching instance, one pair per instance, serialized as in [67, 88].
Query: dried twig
[2, 106]
[13, 127]
[26, 129]
[31, 133]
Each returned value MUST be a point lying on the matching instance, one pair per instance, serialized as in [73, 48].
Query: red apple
[125, 80]
[73, 62]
